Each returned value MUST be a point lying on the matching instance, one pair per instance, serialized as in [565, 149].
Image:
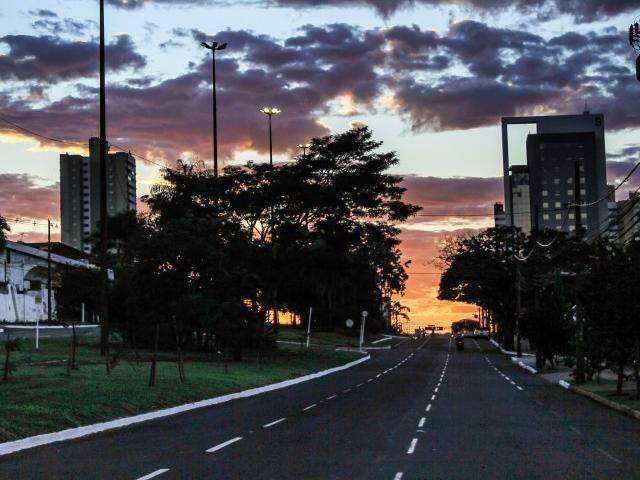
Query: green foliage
[4, 227]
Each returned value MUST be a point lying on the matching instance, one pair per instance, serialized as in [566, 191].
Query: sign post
[362, 325]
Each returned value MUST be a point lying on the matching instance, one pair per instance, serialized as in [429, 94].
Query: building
[499, 216]
[80, 192]
[23, 282]
[552, 153]
[627, 226]
[520, 198]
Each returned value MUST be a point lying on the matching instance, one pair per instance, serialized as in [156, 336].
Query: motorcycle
[460, 343]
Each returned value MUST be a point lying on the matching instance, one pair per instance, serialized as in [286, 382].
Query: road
[418, 411]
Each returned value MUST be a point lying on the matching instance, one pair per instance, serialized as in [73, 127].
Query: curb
[528, 368]
[44, 327]
[508, 352]
[79, 432]
[601, 400]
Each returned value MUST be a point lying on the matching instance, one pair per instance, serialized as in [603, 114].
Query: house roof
[37, 253]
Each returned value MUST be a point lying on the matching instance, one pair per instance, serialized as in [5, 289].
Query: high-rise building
[562, 144]
[80, 192]
[498, 215]
[520, 198]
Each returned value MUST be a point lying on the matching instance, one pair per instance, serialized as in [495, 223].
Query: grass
[607, 389]
[41, 397]
[333, 339]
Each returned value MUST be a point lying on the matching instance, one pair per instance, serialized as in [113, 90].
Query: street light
[214, 47]
[362, 327]
[270, 112]
[304, 148]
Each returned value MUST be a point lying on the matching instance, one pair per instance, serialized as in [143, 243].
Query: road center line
[412, 446]
[433, 397]
[519, 387]
[428, 407]
[331, 397]
[154, 474]
[275, 422]
[398, 476]
[421, 422]
[313, 405]
[224, 444]
[346, 390]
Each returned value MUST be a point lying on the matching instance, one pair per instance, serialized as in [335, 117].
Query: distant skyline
[430, 77]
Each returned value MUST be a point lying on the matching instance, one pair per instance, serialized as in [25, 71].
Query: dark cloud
[44, 13]
[67, 26]
[21, 195]
[580, 10]
[51, 59]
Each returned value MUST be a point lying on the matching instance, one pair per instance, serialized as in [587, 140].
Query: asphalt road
[419, 411]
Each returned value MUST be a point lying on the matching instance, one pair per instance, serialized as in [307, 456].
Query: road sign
[349, 323]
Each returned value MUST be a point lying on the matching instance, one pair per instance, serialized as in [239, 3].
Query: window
[570, 192]
[570, 180]
[556, 181]
[545, 204]
[558, 216]
[572, 216]
[545, 216]
[582, 180]
[583, 192]
[583, 215]
[558, 205]
[572, 228]
[545, 193]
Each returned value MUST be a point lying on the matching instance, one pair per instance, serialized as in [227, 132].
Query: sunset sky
[430, 77]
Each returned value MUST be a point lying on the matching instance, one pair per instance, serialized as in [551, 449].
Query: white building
[23, 282]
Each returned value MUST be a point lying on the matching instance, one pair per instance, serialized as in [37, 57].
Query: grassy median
[41, 396]
[607, 390]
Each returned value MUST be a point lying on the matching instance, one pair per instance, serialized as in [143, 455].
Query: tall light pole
[214, 47]
[104, 307]
[49, 315]
[304, 148]
[270, 112]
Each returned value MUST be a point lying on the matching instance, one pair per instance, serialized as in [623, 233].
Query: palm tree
[399, 311]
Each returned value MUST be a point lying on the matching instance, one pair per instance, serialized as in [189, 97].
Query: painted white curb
[72, 433]
[386, 338]
[45, 327]
[521, 364]
[564, 384]
[356, 349]
[508, 352]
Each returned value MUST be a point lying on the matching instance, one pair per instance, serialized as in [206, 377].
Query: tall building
[552, 153]
[80, 192]
[628, 218]
[498, 215]
[520, 197]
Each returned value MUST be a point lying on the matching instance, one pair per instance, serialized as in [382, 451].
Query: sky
[432, 78]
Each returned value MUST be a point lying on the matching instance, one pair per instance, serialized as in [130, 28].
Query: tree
[4, 227]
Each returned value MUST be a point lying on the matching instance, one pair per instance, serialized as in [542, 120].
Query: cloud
[21, 195]
[580, 10]
[51, 59]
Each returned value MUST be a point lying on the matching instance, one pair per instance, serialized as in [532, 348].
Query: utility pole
[49, 270]
[104, 306]
[309, 326]
[518, 309]
[580, 367]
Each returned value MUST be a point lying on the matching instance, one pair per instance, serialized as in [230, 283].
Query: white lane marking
[575, 430]
[313, 405]
[412, 446]
[421, 422]
[370, 380]
[331, 397]
[154, 474]
[359, 385]
[609, 456]
[346, 390]
[512, 382]
[378, 375]
[275, 422]
[428, 407]
[224, 444]
[507, 378]
[519, 387]
[398, 476]
[433, 397]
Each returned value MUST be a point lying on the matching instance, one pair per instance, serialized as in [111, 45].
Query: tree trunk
[7, 347]
[154, 359]
[620, 378]
[71, 364]
[179, 353]
[636, 367]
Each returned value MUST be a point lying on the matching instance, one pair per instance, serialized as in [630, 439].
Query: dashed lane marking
[224, 444]
[306, 409]
[609, 456]
[412, 446]
[421, 422]
[275, 422]
[154, 474]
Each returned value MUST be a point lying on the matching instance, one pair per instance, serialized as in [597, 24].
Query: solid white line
[79, 432]
[609, 456]
[331, 397]
[313, 405]
[412, 446]
[224, 444]
[428, 407]
[421, 422]
[275, 422]
[398, 476]
[154, 474]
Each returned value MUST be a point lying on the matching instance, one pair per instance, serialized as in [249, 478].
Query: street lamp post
[270, 112]
[362, 327]
[214, 47]
[304, 148]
